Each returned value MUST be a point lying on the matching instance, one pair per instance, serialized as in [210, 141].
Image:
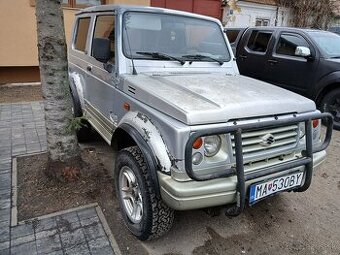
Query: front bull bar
[236, 130]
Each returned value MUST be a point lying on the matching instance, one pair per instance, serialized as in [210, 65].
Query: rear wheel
[331, 103]
[144, 213]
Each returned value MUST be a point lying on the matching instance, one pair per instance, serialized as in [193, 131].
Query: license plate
[261, 190]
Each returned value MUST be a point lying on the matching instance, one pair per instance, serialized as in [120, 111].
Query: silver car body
[168, 102]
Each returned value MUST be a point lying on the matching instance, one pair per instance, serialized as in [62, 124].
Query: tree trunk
[62, 145]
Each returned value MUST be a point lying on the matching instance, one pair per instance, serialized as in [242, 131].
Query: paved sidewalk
[82, 231]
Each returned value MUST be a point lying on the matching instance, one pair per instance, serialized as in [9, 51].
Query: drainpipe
[277, 15]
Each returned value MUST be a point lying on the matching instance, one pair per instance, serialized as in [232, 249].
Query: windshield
[171, 37]
[329, 43]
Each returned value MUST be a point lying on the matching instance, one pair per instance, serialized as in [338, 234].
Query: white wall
[247, 13]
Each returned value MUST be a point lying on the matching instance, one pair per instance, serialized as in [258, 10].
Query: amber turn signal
[316, 123]
[198, 143]
[127, 106]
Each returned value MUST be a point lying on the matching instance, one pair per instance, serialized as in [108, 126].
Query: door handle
[89, 68]
[272, 62]
[243, 57]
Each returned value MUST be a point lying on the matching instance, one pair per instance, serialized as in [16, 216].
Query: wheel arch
[125, 136]
[325, 90]
[76, 88]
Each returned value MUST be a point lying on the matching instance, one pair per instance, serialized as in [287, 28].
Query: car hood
[211, 98]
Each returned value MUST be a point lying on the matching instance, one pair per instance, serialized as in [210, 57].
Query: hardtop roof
[122, 8]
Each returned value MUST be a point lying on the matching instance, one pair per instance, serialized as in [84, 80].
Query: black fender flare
[78, 112]
[325, 84]
[147, 153]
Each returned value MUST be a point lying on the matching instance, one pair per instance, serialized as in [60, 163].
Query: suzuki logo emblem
[267, 140]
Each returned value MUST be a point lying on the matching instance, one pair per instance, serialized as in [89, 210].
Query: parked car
[305, 61]
[161, 87]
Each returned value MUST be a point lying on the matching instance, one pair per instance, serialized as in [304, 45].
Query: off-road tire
[328, 99]
[157, 217]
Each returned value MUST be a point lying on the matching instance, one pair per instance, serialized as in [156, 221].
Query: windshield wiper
[160, 55]
[336, 57]
[200, 57]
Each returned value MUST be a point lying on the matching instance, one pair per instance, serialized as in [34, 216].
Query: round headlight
[212, 145]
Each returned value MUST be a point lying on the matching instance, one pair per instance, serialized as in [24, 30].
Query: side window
[105, 28]
[288, 43]
[81, 35]
[259, 40]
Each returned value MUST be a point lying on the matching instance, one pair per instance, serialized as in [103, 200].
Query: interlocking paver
[25, 248]
[71, 239]
[45, 224]
[93, 231]
[48, 244]
[100, 246]
[4, 234]
[22, 230]
[22, 240]
[4, 246]
[81, 249]
[22, 130]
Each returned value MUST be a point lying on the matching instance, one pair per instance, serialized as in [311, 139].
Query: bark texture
[63, 150]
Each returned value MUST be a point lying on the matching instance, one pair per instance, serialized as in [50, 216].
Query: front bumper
[221, 191]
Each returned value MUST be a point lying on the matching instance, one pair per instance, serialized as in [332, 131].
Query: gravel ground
[289, 223]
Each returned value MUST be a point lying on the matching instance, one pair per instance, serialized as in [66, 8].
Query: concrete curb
[50, 215]
[107, 230]
[14, 209]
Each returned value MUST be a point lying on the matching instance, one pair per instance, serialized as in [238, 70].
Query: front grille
[254, 142]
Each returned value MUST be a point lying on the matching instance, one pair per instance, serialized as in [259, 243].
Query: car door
[252, 56]
[101, 86]
[288, 70]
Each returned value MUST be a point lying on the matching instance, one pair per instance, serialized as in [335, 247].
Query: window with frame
[82, 3]
[259, 40]
[288, 43]
[105, 28]
[262, 22]
[81, 35]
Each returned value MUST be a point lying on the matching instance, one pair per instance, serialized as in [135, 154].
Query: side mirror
[101, 49]
[303, 52]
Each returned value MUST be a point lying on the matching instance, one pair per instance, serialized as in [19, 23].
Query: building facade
[255, 13]
[18, 33]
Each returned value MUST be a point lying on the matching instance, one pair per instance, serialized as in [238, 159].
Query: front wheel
[144, 213]
[331, 103]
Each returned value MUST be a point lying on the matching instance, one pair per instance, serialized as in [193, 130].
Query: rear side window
[259, 40]
[81, 35]
[288, 43]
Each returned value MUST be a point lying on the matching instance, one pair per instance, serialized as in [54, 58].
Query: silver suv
[163, 89]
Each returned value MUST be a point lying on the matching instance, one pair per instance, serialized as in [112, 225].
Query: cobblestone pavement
[22, 131]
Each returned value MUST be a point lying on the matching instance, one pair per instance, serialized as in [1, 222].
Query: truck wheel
[331, 103]
[144, 214]
[85, 132]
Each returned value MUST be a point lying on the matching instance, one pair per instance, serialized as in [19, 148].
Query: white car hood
[212, 98]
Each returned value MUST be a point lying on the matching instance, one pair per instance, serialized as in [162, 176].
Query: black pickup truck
[305, 61]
